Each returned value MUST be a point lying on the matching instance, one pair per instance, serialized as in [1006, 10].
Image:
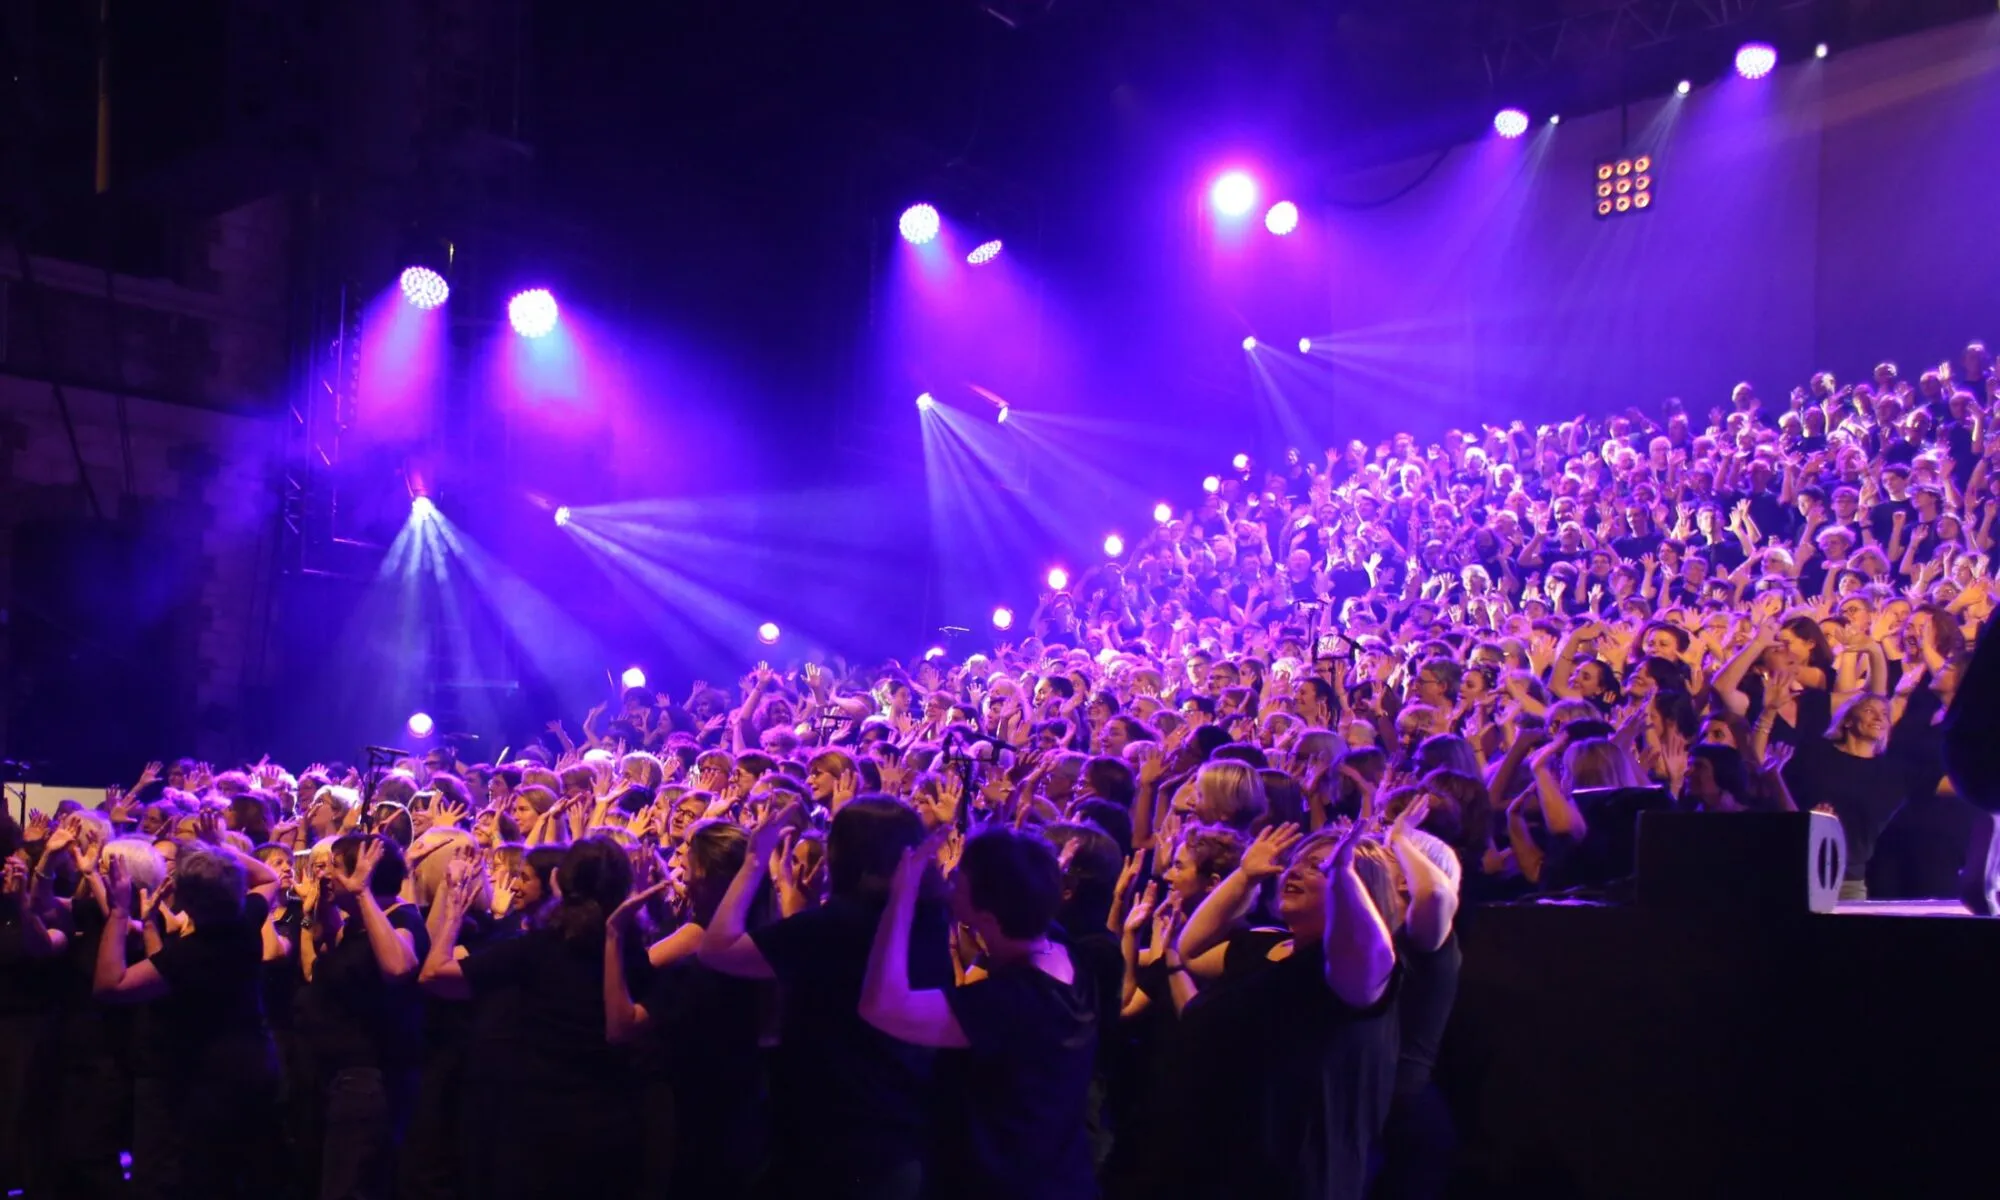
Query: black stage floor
[1627, 1053]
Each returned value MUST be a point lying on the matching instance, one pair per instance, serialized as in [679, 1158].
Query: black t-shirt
[1863, 792]
[1282, 1086]
[552, 990]
[212, 1017]
[1430, 987]
[1027, 1085]
[350, 1016]
[843, 1093]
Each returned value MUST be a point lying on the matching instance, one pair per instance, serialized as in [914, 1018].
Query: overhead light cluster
[1624, 186]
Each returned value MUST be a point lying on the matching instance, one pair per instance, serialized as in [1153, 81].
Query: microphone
[387, 752]
[461, 737]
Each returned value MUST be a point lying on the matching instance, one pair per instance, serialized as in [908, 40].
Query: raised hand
[1142, 911]
[1412, 817]
[1265, 857]
[625, 917]
[354, 883]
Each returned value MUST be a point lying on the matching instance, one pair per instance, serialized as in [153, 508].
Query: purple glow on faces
[767, 633]
[1283, 218]
[1234, 194]
[532, 313]
[1510, 123]
[633, 677]
[984, 252]
[1756, 60]
[424, 287]
[421, 725]
[919, 224]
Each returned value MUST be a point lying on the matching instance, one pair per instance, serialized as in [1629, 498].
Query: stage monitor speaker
[1771, 863]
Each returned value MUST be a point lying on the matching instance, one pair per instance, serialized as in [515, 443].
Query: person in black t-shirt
[359, 1012]
[1294, 1115]
[696, 1030]
[1026, 1018]
[850, 1105]
[1846, 774]
[552, 979]
[205, 989]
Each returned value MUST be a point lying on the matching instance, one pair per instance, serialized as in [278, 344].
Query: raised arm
[1231, 899]
[1360, 953]
[888, 1002]
[726, 945]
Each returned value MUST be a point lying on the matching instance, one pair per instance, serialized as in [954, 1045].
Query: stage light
[1555, 118]
[1510, 122]
[1822, 50]
[633, 677]
[420, 725]
[1234, 194]
[1003, 618]
[984, 252]
[1755, 60]
[1283, 218]
[1683, 88]
[1623, 186]
[1241, 462]
[532, 313]
[424, 287]
[1211, 485]
[926, 402]
[767, 633]
[919, 224]
[935, 652]
[1113, 545]
[1305, 345]
[1058, 579]
[423, 509]
[1249, 343]
[1002, 418]
[1163, 512]
[562, 515]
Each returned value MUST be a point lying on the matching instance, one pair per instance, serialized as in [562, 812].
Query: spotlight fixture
[423, 509]
[420, 725]
[1510, 122]
[767, 633]
[1058, 579]
[1555, 118]
[1305, 345]
[1211, 485]
[1283, 218]
[532, 313]
[1241, 462]
[984, 252]
[1756, 60]
[1113, 545]
[1624, 185]
[1683, 88]
[919, 224]
[1003, 618]
[1002, 418]
[1163, 512]
[633, 677]
[926, 402]
[562, 515]
[1822, 50]
[1249, 343]
[424, 288]
[1233, 195]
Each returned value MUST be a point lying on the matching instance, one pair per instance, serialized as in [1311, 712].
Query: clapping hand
[1265, 856]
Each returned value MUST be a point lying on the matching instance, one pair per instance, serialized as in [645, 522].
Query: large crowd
[1158, 900]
